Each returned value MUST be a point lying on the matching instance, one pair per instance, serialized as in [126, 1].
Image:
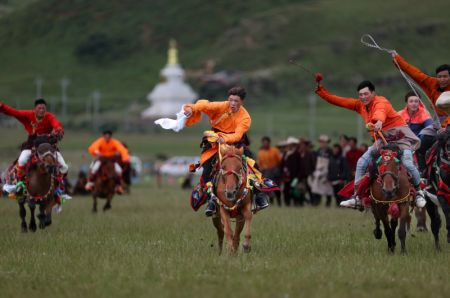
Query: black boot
[261, 200]
[210, 207]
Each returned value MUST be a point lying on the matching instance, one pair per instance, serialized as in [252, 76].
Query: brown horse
[40, 188]
[391, 195]
[105, 183]
[233, 198]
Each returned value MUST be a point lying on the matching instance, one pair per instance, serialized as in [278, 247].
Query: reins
[414, 87]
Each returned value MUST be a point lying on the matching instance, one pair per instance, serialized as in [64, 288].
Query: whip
[373, 44]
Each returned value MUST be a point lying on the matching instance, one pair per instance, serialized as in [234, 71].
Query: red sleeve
[54, 122]
[18, 114]
[348, 103]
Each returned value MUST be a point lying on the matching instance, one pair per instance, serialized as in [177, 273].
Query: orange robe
[231, 126]
[268, 158]
[109, 149]
[379, 109]
[429, 84]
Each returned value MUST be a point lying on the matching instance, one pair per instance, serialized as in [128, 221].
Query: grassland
[151, 244]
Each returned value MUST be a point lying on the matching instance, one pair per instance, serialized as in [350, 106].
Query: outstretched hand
[188, 112]
[393, 53]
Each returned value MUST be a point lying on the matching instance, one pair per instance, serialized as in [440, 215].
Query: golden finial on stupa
[172, 53]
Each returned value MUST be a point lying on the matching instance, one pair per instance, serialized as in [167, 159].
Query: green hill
[119, 47]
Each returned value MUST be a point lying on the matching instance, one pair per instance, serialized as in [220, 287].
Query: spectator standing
[289, 168]
[269, 159]
[320, 186]
[338, 173]
[353, 155]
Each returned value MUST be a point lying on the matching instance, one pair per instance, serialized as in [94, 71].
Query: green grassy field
[151, 244]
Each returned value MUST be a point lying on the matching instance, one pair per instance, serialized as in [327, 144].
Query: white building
[167, 97]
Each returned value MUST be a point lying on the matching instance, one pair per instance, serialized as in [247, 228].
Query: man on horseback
[37, 122]
[378, 112]
[231, 121]
[108, 147]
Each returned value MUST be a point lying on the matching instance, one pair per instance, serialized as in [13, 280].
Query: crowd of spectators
[307, 173]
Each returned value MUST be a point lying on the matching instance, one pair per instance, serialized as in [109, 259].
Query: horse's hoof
[41, 225]
[377, 233]
[438, 247]
[107, 207]
[246, 248]
[48, 223]
[24, 229]
[448, 239]
[94, 210]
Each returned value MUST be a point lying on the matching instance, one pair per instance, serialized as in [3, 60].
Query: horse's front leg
[435, 224]
[41, 215]
[248, 216]
[108, 202]
[23, 214]
[404, 218]
[219, 227]
[240, 222]
[227, 229]
[32, 205]
[94, 207]
[446, 210]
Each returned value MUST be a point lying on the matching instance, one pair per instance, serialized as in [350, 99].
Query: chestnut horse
[391, 195]
[105, 183]
[40, 188]
[233, 199]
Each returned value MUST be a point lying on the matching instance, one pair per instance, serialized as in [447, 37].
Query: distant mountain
[118, 47]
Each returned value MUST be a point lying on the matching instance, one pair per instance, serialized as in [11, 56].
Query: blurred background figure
[352, 156]
[338, 172]
[269, 159]
[306, 168]
[289, 169]
[320, 186]
[344, 143]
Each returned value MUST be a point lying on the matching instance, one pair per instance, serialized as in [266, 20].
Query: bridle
[387, 156]
[222, 174]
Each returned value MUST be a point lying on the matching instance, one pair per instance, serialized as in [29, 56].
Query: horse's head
[231, 173]
[46, 154]
[388, 166]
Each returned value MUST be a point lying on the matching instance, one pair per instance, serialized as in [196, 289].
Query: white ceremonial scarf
[175, 125]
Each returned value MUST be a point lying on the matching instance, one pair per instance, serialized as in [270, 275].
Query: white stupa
[169, 96]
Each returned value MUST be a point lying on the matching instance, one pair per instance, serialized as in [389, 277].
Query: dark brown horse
[391, 196]
[233, 198]
[105, 183]
[40, 188]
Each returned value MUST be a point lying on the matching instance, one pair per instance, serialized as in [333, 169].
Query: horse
[105, 183]
[233, 199]
[391, 195]
[438, 187]
[40, 188]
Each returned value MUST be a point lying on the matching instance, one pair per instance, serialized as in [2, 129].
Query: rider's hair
[443, 67]
[239, 91]
[40, 101]
[409, 94]
[365, 84]
[107, 132]
[265, 138]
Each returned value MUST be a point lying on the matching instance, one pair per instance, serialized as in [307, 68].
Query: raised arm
[10, 111]
[348, 103]
[194, 110]
[416, 74]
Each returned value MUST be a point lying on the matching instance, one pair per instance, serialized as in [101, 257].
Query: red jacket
[28, 119]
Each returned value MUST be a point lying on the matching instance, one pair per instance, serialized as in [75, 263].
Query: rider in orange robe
[378, 112]
[108, 147]
[231, 121]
